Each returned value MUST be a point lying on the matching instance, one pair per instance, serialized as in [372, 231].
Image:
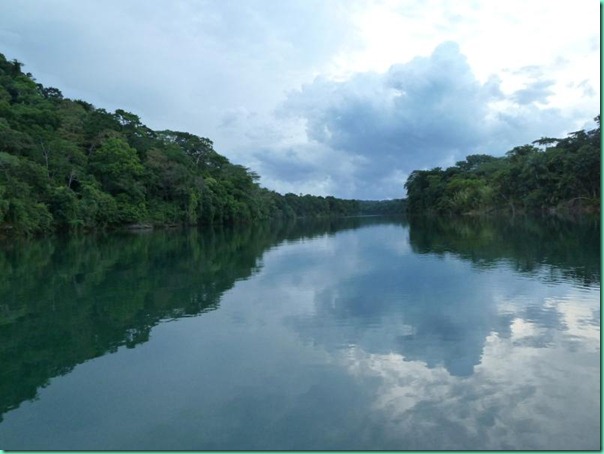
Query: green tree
[117, 167]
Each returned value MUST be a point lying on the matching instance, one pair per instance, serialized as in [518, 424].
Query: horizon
[335, 107]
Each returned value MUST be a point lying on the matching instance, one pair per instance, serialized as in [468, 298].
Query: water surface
[351, 334]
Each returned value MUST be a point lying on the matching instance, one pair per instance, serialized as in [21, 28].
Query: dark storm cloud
[535, 92]
[419, 113]
[219, 68]
[431, 111]
[297, 170]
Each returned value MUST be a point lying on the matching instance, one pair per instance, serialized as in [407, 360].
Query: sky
[325, 97]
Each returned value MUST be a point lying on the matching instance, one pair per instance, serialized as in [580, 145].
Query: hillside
[67, 165]
[548, 176]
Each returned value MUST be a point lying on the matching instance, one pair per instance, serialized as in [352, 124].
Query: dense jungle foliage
[66, 165]
[550, 175]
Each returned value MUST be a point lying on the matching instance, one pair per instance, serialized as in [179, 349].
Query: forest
[548, 176]
[68, 166]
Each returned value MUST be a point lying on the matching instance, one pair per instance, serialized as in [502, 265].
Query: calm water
[356, 334]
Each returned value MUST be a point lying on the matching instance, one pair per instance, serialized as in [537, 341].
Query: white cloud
[428, 112]
[222, 69]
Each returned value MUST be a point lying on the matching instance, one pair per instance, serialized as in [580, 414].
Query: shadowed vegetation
[66, 165]
[555, 176]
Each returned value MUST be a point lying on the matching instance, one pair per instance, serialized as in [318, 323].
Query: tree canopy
[557, 175]
[66, 165]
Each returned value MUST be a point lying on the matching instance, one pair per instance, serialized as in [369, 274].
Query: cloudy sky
[340, 97]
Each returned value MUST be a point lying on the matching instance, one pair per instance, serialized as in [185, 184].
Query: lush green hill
[557, 175]
[66, 165]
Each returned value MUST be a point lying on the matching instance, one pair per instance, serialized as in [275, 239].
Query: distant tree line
[382, 207]
[550, 175]
[66, 165]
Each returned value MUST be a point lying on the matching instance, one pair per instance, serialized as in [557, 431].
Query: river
[351, 334]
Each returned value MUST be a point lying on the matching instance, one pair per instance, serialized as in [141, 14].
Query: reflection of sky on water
[345, 342]
[437, 310]
[464, 357]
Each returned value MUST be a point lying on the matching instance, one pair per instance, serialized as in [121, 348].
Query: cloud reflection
[461, 355]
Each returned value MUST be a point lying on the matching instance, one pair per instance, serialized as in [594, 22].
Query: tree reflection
[561, 248]
[438, 311]
[64, 301]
